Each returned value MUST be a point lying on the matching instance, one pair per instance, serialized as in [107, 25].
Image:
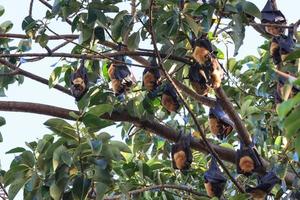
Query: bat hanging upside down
[214, 180]
[181, 153]
[271, 15]
[120, 77]
[79, 82]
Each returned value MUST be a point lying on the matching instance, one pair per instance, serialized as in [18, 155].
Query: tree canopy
[257, 97]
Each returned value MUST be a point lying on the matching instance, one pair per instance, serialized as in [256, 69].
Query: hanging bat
[248, 160]
[287, 44]
[120, 76]
[202, 50]
[198, 79]
[181, 153]
[264, 187]
[271, 15]
[214, 180]
[219, 123]
[284, 92]
[151, 76]
[79, 82]
[281, 47]
[169, 99]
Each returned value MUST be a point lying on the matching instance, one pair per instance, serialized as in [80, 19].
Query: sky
[22, 127]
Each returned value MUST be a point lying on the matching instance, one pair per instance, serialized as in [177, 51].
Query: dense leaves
[81, 161]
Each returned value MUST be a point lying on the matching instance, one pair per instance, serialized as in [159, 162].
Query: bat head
[79, 82]
[202, 50]
[181, 153]
[169, 99]
[265, 186]
[214, 180]
[198, 79]
[219, 122]
[248, 160]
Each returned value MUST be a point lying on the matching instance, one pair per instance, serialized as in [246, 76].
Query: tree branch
[98, 56]
[160, 187]
[50, 37]
[33, 76]
[155, 127]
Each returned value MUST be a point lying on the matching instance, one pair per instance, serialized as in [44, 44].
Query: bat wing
[267, 182]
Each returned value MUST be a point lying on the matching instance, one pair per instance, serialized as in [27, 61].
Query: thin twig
[34, 77]
[207, 144]
[30, 8]
[160, 187]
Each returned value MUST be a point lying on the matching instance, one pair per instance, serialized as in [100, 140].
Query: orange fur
[149, 81]
[200, 89]
[180, 159]
[168, 103]
[273, 30]
[111, 71]
[258, 194]
[214, 126]
[79, 83]
[200, 54]
[116, 85]
[209, 190]
[217, 73]
[274, 47]
[246, 164]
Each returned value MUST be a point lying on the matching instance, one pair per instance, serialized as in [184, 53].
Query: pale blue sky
[22, 127]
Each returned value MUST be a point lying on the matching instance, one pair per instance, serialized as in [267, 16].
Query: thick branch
[33, 76]
[160, 187]
[155, 127]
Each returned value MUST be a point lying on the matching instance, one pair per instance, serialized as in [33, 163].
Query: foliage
[77, 159]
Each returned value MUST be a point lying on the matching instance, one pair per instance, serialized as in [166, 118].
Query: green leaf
[2, 10]
[2, 121]
[284, 108]
[15, 187]
[42, 40]
[293, 56]
[99, 34]
[6, 26]
[121, 146]
[251, 9]
[25, 45]
[99, 110]
[192, 24]
[1, 138]
[116, 28]
[105, 71]
[94, 123]
[134, 40]
[238, 32]
[62, 128]
[292, 123]
[145, 4]
[61, 156]
[80, 188]
[16, 150]
[54, 77]
[28, 23]
[56, 191]
[101, 189]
